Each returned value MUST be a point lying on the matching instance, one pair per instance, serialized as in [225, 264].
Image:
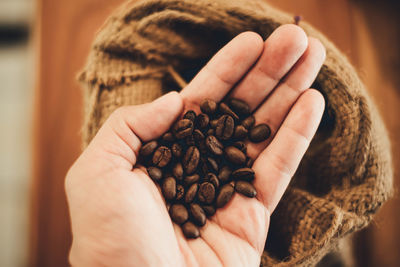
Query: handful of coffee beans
[202, 161]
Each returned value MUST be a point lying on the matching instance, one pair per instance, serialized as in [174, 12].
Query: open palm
[118, 215]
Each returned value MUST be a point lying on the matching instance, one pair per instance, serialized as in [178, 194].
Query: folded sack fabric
[147, 48]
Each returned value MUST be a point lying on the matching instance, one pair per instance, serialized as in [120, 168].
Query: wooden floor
[366, 33]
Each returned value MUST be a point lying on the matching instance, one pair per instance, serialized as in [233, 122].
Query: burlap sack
[147, 48]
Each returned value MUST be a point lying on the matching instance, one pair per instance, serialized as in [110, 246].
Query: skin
[118, 215]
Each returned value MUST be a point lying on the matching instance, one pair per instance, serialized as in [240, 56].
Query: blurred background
[44, 43]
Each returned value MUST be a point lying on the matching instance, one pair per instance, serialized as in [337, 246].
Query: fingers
[122, 133]
[274, 110]
[276, 165]
[224, 70]
[281, 51]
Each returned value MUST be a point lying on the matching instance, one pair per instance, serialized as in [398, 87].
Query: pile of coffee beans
[202, 161]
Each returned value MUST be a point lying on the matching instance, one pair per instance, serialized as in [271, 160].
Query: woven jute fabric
[147, 48]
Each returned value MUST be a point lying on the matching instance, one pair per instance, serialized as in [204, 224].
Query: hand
[118, 215]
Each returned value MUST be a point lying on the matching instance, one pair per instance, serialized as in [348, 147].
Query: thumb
[126, 128]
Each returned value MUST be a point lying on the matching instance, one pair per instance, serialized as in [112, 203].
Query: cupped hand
[118, 215]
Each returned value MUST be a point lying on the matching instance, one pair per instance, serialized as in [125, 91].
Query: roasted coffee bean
[180, 192]
[169, 188]
[241, 145]
[162, 156]
[202, 120]
[204, 165]
[249, 122]
[249, 162]
[197, 214]
[183, 128]
[212, 178]
[191, 179]
[212, 163]
[206, 193]
[177, 171]
[191, 193]
[224, 174]
[190, 230]
[214, 145]
[213, 123]
[224, 109]
[224, 195]
[240, 132]
[190, 140]
[245, 188]
[176, 150]
[198, 135]
[210, 132]
[148, 148]
[239, 106]
[234, 155]
[154, 173]
[259, 133]
[190, 115]
[202, 146]
[208, 106]
[168, 137]
[209, 210]
[225, 127]
[245, 174]
[178, 213]
[191, 159]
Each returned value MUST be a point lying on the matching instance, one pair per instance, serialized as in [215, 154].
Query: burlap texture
[346, 174]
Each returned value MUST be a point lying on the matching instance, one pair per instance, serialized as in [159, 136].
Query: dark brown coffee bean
[224, 109]
[202, 146]
[212, 163]
[249, 162]
[190, 179]
[198, 135]
[245, 188]
[177, 171]
[198, 215]
[208, 106]
[190, 230]
[224, 174]
[209, 210]
[183, 128]
[168, 137]
[206, 193]
[234, 155]
[210, 132]
[178, 213]
[213, 123]
[191, 193]
[214, 145]
[241, 145]
[169, 188]
[148, 148]
[202, 120]
[176, 150]
[191, 159]
[225, 127]
[212, 178]
[180, 192]
[249, 122]
[239, 106]
[245, 174]
[240, 132]
[224, 195]
[162, 156]
[190, 115]
[190, 140]
[154, 173]
[259, 133]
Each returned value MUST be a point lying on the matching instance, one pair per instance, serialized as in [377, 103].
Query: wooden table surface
[64, 31]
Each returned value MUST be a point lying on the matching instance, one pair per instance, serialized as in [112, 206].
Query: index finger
[224, 70]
